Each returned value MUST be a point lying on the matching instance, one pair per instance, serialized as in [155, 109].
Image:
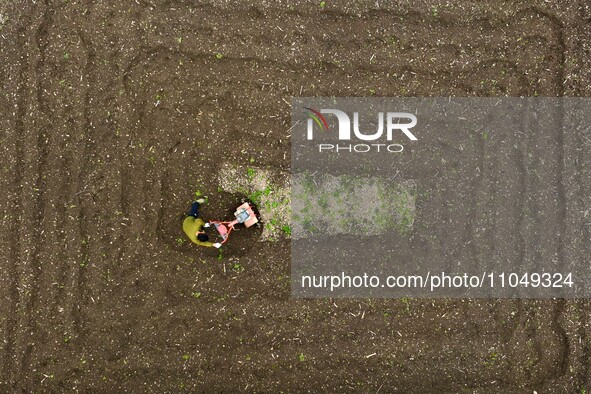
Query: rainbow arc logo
[317, 117]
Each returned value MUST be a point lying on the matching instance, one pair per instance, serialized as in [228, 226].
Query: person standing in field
[194, 227]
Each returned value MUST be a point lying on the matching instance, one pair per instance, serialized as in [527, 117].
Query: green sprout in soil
[322, 4]
[406, 303]
[196, 294]
[186, 357]
[180, 241]
[237, 267]
[492, 358]
[434, 12]
[219, 56]
[250, 172]
[301, 357]
[66, 55]
[255, 196]
[3, 22]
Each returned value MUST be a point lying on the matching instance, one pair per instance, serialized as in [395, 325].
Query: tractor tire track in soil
[577, 166]
[37, 207]
[29, 203]
[12, 239]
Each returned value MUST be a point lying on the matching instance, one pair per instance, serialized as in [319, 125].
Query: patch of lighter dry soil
[269, 189]
[330, 204]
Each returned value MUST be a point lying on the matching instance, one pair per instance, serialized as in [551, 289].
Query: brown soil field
[112, 115]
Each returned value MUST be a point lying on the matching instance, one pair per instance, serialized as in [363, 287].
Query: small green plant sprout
[250, 172]
[219, 56]
[66, 55]
[180, 241]
[286, 230]
[159, 96]
[196, 294]
[492, 358]
[485, 135]
[322, 4]
[406, 303]
[237, 267]
[251, 160]
[186, 357]
[179, 40]
[434, 11]
[301, 357]
[3, 20]
[220, 254]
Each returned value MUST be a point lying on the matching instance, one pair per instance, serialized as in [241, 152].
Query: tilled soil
[114, 113]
